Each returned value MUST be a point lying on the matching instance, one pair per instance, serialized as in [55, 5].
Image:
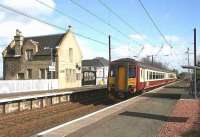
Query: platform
[139, 116]
[14, 102]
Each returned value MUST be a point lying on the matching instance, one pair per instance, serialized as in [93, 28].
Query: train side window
[154, 75]
[150, 76]
[147, 75]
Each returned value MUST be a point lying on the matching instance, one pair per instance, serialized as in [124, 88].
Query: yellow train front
[122, 78]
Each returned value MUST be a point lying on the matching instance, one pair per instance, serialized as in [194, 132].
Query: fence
[14, 86]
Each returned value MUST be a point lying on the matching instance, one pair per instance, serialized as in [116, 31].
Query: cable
[52, 25]
[68, 16]
[154, 23]
[101, 19]
[75, 19]
[122, 19]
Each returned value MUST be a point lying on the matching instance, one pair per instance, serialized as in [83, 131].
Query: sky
[175, 18]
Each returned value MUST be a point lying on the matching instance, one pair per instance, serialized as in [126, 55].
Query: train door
[121, 78]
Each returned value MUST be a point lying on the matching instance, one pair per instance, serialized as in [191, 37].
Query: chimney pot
[18, 38]
[69, 26]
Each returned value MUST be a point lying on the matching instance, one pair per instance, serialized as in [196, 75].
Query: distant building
[30, 58]
[100, 65]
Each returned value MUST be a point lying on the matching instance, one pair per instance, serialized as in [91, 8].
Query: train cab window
[131, 73]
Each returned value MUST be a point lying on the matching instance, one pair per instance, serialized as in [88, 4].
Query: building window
[29, 54]
[70, 54]
[42, 74]
[71, 75]
[51, 74]
[29, 73]
[20, 76]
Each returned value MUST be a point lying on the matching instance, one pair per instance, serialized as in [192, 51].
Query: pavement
[142, 116]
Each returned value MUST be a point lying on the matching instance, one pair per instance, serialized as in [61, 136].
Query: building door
[122, 78]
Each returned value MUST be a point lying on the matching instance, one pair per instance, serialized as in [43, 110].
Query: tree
[157, 64]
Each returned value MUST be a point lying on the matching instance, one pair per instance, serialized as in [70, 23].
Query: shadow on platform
[163, 95]
[154, 116]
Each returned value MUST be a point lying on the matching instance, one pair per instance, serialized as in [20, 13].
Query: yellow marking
[132, 81]
[121, 78]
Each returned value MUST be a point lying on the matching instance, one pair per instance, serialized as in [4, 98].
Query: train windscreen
[132, 73]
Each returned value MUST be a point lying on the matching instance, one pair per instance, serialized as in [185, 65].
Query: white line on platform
[91, 114]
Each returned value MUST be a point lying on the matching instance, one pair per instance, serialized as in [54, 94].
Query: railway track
[27, 123]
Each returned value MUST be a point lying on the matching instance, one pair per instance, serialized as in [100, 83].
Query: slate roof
[46, 41]
[96, 62]
[42, 42]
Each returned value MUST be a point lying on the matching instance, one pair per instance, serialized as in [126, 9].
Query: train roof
[140, 64]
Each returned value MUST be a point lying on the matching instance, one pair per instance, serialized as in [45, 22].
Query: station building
[100, 66]
[56, 56]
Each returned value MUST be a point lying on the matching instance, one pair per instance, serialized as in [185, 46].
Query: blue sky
[175, 18]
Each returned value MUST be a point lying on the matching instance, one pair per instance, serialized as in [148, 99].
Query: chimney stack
[18, 38]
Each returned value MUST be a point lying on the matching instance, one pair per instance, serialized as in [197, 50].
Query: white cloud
[2, 15]
[138, 37]
[9, 21]
[173, 57]
[90, 49]
[30, 6]
[172, 38]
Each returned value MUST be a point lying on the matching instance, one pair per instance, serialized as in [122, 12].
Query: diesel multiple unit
[128, 76]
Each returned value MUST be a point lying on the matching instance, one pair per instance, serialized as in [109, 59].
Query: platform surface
[142, 116]
[45, 92]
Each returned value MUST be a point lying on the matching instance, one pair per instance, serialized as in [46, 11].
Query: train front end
[122, 79]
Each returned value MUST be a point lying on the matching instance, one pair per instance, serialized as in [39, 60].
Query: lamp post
[52, 65]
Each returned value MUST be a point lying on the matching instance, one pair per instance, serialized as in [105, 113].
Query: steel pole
[195, 77]
[195, 83]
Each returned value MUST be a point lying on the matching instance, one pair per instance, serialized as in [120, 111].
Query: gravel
[188, 125]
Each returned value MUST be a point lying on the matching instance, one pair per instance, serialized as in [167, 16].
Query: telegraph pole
[109, 52]
[188, 50]
[109, 42]
[152, 59]
[195, 62]
[195, 77]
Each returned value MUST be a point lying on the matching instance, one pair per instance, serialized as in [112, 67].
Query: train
[128, 77]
